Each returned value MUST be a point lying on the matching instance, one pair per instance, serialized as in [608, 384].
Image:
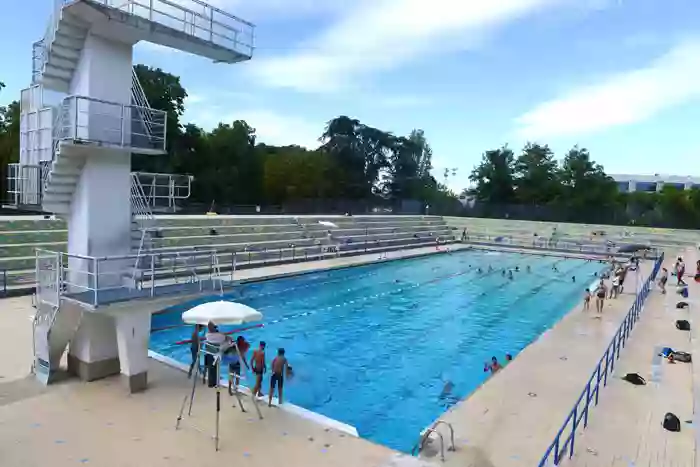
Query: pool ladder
[418, 448]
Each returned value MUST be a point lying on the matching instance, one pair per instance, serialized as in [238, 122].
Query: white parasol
[328, 224]
[221, 312]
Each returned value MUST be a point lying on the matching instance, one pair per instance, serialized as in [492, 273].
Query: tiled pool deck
[96, 423]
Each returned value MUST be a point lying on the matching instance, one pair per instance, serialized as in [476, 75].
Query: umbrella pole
[218, 401]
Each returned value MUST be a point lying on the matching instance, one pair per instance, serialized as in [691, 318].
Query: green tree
[163, 92]
[494, 177]
[9, 141]
[589, 194]
[537, 175]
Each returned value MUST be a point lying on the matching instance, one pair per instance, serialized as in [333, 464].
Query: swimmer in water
[528, 269]
[510, 274]
[479, 271]
[573, 278]
[493, 367]
[503, 272]
[517, 268]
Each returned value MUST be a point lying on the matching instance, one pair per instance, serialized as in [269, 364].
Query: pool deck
[72, 422]
[629, 432]
[514, 416]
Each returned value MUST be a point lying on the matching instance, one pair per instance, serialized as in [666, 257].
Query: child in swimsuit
[280, 366]
[257, 363]
[587, 299]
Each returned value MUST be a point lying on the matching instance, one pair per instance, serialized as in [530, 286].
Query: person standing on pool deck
[587, 300]
[600, 293]
[280, 366]
[680, 271]
[257, 363]
[194, 348]
[662, 280]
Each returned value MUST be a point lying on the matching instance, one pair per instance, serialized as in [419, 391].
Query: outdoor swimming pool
[373, 346]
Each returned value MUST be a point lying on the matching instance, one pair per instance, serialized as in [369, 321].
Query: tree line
[535, 185]
[361, 164]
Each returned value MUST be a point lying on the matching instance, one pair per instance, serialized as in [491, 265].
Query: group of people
[233, 355]
[617, 275]
[679, 272]
[494, 366]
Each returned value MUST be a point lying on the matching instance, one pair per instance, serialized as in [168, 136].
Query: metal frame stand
[216, 352]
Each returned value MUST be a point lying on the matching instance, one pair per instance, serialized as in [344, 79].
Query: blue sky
[619, 77]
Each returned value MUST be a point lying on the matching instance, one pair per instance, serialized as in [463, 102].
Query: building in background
[650, 183]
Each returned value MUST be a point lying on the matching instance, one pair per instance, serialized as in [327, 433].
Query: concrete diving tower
[75, 162]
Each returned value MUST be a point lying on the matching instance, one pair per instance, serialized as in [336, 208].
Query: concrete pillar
[93, 351]
[133, 334]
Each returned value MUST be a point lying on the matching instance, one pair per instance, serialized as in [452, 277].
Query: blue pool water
[373, 346]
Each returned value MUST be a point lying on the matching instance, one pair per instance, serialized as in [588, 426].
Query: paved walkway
[625, 429]
[512, 419]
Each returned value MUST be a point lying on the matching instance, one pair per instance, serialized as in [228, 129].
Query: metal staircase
[55, 57]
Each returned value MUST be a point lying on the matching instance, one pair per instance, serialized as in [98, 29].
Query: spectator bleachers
[243, 241]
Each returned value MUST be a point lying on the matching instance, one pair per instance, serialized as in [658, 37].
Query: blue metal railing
[562, 442]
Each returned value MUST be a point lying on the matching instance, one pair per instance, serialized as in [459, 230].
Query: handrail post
[211, 25]
[153, 274]
[573, 432]
[150, 11]
[597, 387]
[588, 402]
[96, 280]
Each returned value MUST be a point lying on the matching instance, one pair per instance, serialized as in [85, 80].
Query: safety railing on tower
[564, 441]
[104, 123]
[139, 99]
[163, 190]
[25, 184]
[40, 53]
[94, 282]
[195, 18]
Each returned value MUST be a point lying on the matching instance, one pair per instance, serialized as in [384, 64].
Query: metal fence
[564, 441]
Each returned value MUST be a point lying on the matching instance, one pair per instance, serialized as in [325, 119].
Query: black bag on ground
[683, 325]
[671, 422]
[682, 357]
[681, 305]
[635, 379]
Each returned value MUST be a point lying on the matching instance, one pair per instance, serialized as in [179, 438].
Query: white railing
[40, 49]
[139, 207]
[99, 281]
[162, 190]
[105, 123]
[138, 98]
[25, 183]
[195, 18]
[48, 280]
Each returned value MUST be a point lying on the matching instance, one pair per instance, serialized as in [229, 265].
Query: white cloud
[385, 33]
[619, 99]
[271, 127]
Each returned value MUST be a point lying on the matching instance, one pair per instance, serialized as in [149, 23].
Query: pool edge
[287, 407]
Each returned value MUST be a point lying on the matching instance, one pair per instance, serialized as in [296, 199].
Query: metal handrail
[421, 444]
[116, 123]
[140, 99]
[605, 366]
[212, 24]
